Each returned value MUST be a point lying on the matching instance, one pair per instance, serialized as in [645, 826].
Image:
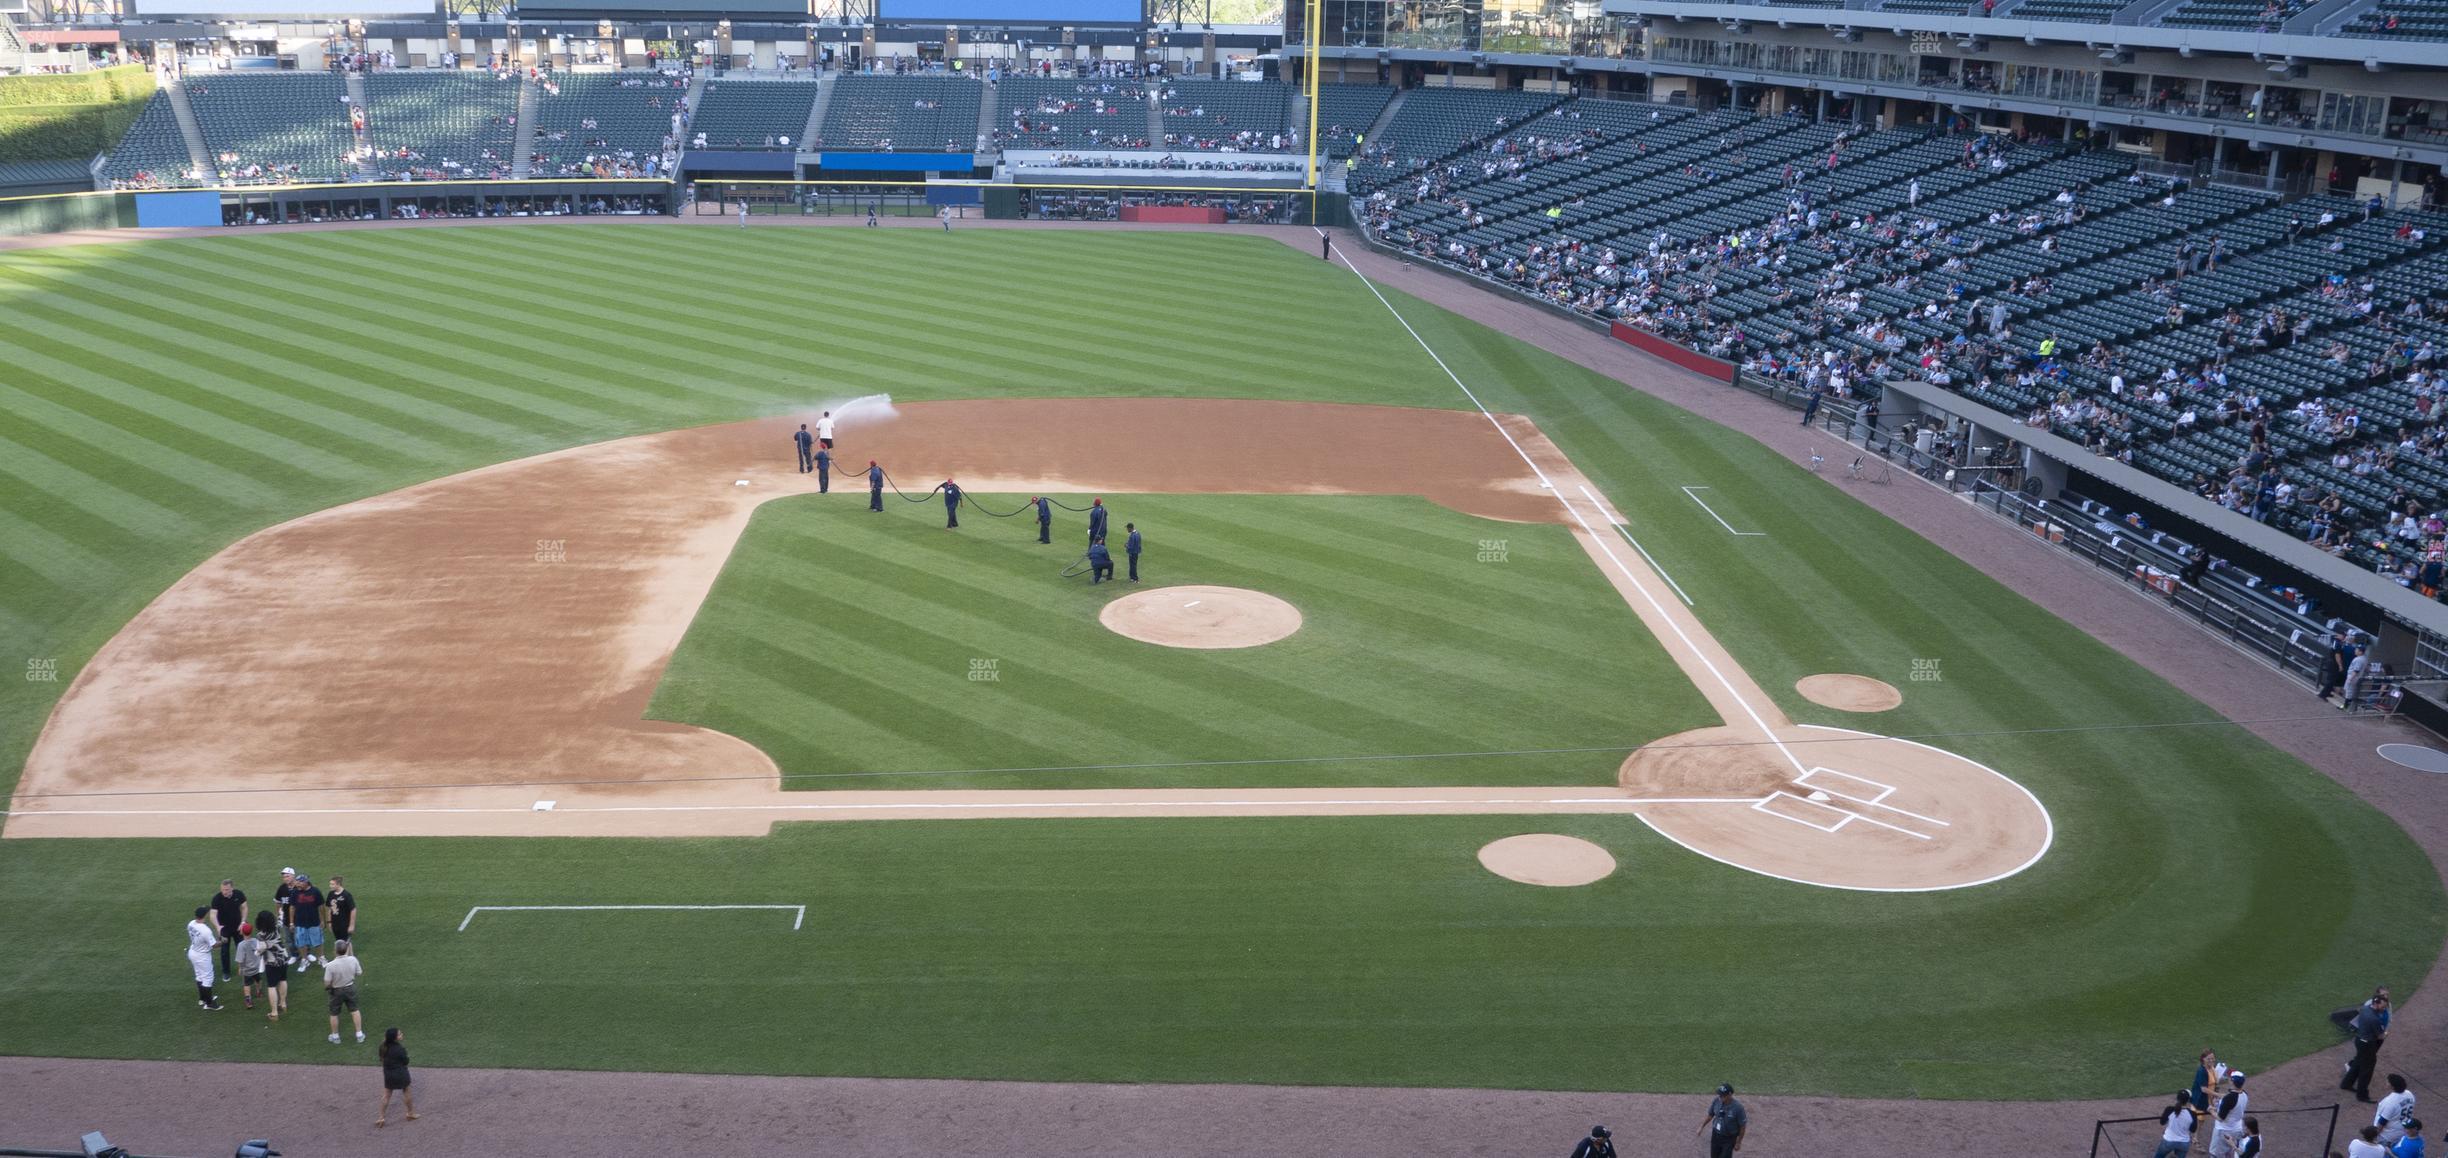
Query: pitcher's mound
[1203, 617]
[1849, 693]
[1544, 858]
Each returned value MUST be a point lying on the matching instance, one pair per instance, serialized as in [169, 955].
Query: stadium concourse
[469, 1111]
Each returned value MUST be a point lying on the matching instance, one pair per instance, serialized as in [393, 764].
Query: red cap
[1096, 502]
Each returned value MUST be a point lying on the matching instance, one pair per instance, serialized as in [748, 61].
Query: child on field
[250, 964]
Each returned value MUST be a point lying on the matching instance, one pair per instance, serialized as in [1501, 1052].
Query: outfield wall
[64, 212]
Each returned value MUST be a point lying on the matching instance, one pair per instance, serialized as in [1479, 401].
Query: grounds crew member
[952, 498]
[1096, 521]
[1130, 547]
[1100, 562]
[804, 441]
[1045, 519]
[1726, 1122]
[824, 472]
[875, 486]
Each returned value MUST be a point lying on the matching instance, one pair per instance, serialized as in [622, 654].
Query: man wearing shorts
[306, 915]
[340, 990]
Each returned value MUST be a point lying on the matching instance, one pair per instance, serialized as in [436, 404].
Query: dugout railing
[2284, 1133]
[2226, 603]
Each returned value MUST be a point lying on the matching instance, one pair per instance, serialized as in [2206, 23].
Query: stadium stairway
[1155, 125]
[357, 96]
[816, 112]
[1384, 119]
[192, 131]
[522, 156]
[986, 116]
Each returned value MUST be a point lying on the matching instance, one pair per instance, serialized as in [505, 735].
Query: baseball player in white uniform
[202, 936]
[2228, 1131]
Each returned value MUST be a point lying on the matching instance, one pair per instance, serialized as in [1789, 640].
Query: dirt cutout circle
[1849, 693]
[1545, 858]
[1201, 617]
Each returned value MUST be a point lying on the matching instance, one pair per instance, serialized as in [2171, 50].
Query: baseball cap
[2236, 1076]
[1724, 1088]
[288, 872]
[1600, 1132]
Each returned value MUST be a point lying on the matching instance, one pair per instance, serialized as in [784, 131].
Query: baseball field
[473, 564]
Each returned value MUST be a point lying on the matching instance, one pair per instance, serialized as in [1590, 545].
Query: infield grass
[876, 651]
[164, 399]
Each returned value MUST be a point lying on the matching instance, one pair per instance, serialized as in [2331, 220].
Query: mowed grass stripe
[1053, 649]
[246, 383]
[566, 327]
[375, 361]
[119, 421]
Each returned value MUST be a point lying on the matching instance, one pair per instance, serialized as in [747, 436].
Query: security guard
[952, 498]
[1130, 547]
[875, 486]
[824, 472]
[1100, 562]
[1725, 1124]
[804, 440]
[1045, 519]
[1096, 520]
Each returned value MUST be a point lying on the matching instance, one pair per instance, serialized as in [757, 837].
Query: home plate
[1820, 797]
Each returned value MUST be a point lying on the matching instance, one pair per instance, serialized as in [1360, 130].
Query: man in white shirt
[824, 429]
[2227, 1131]
[2395, 1110]
[201, 937]
[2366, 1144]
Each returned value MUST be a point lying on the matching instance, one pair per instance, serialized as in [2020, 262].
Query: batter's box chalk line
[798, 912]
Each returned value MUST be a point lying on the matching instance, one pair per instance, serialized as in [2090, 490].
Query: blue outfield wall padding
[178, 210]
[898, 162]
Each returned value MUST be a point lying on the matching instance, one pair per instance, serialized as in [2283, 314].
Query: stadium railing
[2284, 1134]
[2223, 605]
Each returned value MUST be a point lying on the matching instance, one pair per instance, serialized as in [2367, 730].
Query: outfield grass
[167, 398]
[842, 642]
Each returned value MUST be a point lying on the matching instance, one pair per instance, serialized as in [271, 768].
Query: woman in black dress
[395, 1074]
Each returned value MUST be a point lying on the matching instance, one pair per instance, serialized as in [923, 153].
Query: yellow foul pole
[1317, 24]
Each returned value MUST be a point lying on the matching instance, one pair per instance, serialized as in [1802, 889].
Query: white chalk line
[1693, 493]
[1609, 551]
[1626, 532]
[931, 805]
[799, 919]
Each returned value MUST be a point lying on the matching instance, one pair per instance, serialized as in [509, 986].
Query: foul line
[799, 911]
[1626, 532]
[914, 806]
[1693, 493]
[1575, 512]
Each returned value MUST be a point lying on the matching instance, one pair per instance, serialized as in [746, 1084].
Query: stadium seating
[2081, 11]
[449, 123]
[2402, 20]
[1894, 259]
[753, 114]
[1041, 113]
[1344, 112]
[293, 124]
[1223, 113]
[600, 114]
[154, 152]
[1435, 122]
[2232, 15]
[910, 114]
